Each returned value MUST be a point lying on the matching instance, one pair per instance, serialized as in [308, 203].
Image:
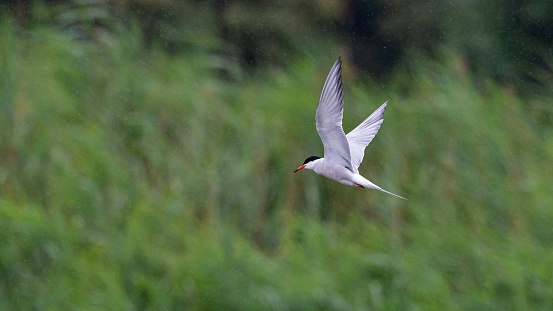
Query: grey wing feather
[363, 134]
[329, 119]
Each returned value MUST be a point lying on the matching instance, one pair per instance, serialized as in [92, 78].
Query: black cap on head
[311, 158]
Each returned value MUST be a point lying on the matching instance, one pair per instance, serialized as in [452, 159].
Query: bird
[342, 153]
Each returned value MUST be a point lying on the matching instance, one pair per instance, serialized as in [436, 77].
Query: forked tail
[365, 183]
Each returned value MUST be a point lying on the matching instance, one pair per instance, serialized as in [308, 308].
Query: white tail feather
[368, 184]
[390, 193]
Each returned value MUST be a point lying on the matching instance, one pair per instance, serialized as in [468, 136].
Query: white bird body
[343, 153]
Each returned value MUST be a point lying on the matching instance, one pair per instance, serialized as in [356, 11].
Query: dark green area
[151, 171]
[508, 41]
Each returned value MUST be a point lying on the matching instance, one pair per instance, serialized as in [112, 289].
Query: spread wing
[329, 119]
[363, 134]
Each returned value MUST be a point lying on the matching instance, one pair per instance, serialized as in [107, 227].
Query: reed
[135, 179]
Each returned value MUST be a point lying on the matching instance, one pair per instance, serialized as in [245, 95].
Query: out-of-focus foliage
[508, 41]
[133, 175]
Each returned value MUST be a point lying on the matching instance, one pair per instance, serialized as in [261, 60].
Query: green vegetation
[135, 179]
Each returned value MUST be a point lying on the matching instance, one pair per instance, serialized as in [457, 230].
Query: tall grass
[132, 179]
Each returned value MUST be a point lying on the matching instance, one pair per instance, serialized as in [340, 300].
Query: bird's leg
[358, 185]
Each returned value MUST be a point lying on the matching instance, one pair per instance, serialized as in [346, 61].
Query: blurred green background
[147, 150]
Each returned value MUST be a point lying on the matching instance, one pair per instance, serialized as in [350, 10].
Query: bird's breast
[336, 172]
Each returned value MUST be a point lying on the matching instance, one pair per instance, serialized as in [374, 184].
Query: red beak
[300, 168]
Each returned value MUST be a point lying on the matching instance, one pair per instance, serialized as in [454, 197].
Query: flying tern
[342, 153]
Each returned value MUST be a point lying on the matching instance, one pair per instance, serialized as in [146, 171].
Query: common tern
[342, 153]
